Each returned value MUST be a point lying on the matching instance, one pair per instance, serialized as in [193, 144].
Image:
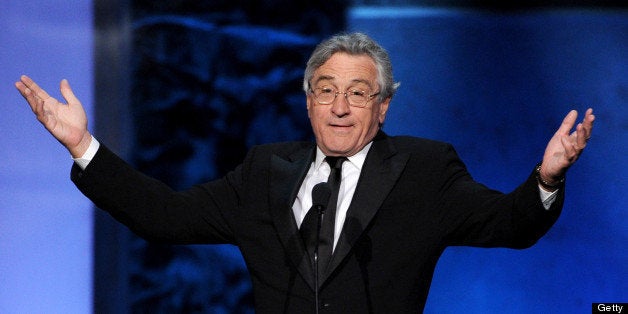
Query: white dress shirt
[319, 171]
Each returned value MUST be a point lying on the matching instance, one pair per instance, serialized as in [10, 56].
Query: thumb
[68, 94]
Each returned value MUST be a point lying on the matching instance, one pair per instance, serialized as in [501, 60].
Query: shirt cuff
[547, 198]
[89, 154]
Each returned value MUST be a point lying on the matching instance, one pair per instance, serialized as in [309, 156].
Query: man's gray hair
[354, 44]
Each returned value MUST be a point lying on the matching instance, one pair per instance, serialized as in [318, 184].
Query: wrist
[549, 185]
[79, 150]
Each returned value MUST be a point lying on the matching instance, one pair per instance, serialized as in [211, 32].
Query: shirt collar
[357, 160]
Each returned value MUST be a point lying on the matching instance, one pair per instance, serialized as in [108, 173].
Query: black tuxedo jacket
[414, 198]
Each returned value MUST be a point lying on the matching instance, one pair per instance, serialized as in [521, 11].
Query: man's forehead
[346, 70]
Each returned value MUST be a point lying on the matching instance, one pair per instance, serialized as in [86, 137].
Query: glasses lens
[357, 98]
[324, 95]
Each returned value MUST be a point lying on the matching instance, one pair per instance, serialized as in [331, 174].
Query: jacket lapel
[286, 178]
[381, 169]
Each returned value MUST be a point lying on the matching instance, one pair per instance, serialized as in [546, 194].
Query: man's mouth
[340, 126]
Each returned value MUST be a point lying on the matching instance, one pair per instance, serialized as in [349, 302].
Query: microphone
[320, 197]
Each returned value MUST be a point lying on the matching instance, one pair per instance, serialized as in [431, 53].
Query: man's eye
[356, 92]
[326, 90]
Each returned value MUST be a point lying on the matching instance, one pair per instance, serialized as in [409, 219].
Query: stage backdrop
[496, 84]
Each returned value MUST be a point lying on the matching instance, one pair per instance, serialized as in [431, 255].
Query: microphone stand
[320, 198]
[320, 212]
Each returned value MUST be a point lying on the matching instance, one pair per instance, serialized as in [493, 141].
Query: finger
[587, 123]
[34, 102]
[36, 90]
[24, 91]
[571, 153]
[581, 137]
[568, 123]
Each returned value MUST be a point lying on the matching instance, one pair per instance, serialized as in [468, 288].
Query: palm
[65, 122]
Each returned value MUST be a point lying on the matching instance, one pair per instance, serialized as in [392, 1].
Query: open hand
[564, 147]
[66, 122]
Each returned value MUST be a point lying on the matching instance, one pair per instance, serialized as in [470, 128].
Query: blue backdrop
[497, 86]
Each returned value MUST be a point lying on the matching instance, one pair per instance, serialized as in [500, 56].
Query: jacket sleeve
[475, 215]
[153, 210]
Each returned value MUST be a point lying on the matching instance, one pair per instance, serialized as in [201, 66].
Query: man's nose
[340, 105]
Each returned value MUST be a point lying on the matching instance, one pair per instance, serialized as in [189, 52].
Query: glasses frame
[346, 94]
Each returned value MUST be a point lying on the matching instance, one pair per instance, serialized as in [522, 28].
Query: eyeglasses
[355, 97]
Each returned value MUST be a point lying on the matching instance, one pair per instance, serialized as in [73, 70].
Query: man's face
[340, 129]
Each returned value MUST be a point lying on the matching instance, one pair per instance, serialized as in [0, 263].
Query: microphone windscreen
[320, 194]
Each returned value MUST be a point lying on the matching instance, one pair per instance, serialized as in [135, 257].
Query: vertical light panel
[45, 223]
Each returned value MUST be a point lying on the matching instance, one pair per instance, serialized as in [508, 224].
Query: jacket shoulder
[405, 143]
[283, 150]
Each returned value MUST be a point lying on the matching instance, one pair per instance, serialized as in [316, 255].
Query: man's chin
[340, 150]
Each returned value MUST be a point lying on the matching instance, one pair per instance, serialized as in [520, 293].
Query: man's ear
[383, 109]
[308, 105]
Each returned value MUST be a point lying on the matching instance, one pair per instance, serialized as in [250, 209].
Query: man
[400, 202]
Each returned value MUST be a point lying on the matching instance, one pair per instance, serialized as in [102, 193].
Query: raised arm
[564, 147]
[66, 122]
